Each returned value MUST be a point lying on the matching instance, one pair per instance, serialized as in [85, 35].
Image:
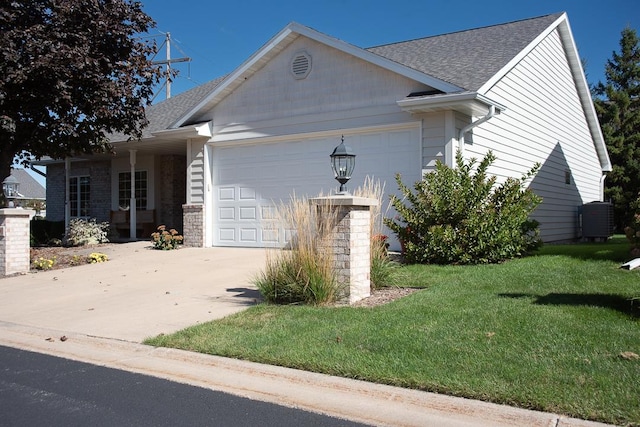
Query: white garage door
[249, 180]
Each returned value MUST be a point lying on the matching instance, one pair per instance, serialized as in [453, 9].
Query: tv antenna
[168, 61]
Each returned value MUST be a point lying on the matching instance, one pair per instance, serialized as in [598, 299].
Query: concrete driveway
[140, 292]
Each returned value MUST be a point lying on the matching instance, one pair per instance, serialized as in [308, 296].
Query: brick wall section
[14, 245]
[350, 243]
[194, 226]
[100, 196]
[173, 193]
[55, 192]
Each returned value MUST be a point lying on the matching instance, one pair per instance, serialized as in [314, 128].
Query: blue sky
[220, 35]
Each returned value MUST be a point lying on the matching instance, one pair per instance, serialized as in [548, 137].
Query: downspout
[602, 178]
[464, 130]
[67, 191]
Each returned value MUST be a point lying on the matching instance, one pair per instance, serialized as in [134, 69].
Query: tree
[72, 72]
[618, 106]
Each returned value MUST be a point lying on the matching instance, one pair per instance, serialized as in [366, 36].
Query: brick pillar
[15, 241]
[350, 241]
[194, 226]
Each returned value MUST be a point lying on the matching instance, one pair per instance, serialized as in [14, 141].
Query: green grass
[544, 332]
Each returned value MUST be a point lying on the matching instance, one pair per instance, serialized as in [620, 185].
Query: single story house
[216, 159]
[31, 193]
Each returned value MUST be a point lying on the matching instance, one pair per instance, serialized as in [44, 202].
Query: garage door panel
[281, 170]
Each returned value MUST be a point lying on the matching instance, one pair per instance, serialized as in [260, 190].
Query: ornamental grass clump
[302, 272]
[462, 216]
[166, 240]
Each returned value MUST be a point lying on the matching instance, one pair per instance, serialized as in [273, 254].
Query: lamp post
[10, 189]
[343, 161]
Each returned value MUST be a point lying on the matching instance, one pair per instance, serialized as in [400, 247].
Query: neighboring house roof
[29, 188]
[468, 58]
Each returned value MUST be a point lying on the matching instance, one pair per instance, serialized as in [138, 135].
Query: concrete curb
[345, 398]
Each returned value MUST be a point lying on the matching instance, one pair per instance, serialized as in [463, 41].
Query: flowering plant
[166, 240]
[95, 257]
[44, 263]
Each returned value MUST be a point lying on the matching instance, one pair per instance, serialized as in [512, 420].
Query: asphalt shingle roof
[468, 58]
[164, 114]
[29, 187]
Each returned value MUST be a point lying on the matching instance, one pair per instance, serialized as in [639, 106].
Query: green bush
[43, 231]
[460, 216]
[87, 232]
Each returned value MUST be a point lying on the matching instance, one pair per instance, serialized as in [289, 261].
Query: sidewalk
[105, 310]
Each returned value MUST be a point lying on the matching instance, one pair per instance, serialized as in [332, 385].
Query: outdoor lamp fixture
[343, 160]
[10, 189]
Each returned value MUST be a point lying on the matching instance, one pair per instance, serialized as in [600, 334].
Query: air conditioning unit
[597, 220]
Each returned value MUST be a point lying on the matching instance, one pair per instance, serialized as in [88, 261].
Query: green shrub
[166, 240]
[43, 231]
[87, 232]
[460, 216]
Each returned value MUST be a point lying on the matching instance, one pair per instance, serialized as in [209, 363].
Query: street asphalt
[100, 314]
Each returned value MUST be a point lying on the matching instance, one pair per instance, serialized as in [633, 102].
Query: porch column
[132, 200]
[67, 191]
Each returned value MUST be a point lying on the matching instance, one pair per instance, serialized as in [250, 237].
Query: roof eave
[469, 103]
[283, 39]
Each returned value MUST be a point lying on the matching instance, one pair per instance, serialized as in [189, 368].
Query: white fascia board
[575, 65]
[240, 73]
[202, 130]
[289, 33]
[374, 59]
[520, 56]
[562, 24]
[469, 102]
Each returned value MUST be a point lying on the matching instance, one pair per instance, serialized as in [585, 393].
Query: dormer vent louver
[301, 65]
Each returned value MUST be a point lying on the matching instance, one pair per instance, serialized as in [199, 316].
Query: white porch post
[132, 200]
[67, 197]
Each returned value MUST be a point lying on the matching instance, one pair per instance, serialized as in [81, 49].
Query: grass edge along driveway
[553, 332]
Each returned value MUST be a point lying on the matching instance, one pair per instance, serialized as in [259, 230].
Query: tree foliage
[72, 72]
[461, 216]
[618, 106]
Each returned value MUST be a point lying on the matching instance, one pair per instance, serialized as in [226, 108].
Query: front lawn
[555, 332]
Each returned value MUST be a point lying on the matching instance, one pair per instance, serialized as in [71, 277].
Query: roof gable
[470, 58]
[283, 39]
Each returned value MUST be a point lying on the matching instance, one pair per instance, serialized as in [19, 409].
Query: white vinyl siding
[544, 123]
[196, 173]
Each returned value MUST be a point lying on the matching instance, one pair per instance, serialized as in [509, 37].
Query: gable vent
[301, 65]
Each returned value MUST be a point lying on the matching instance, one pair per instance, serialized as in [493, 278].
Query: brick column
[14, 241]
[194, 226]
[350, 241]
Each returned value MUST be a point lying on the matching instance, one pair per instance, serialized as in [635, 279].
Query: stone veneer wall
[349, 242]
[14, 241]
[100, 192]
[173, 191]
[194, 226]
[351, 250]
